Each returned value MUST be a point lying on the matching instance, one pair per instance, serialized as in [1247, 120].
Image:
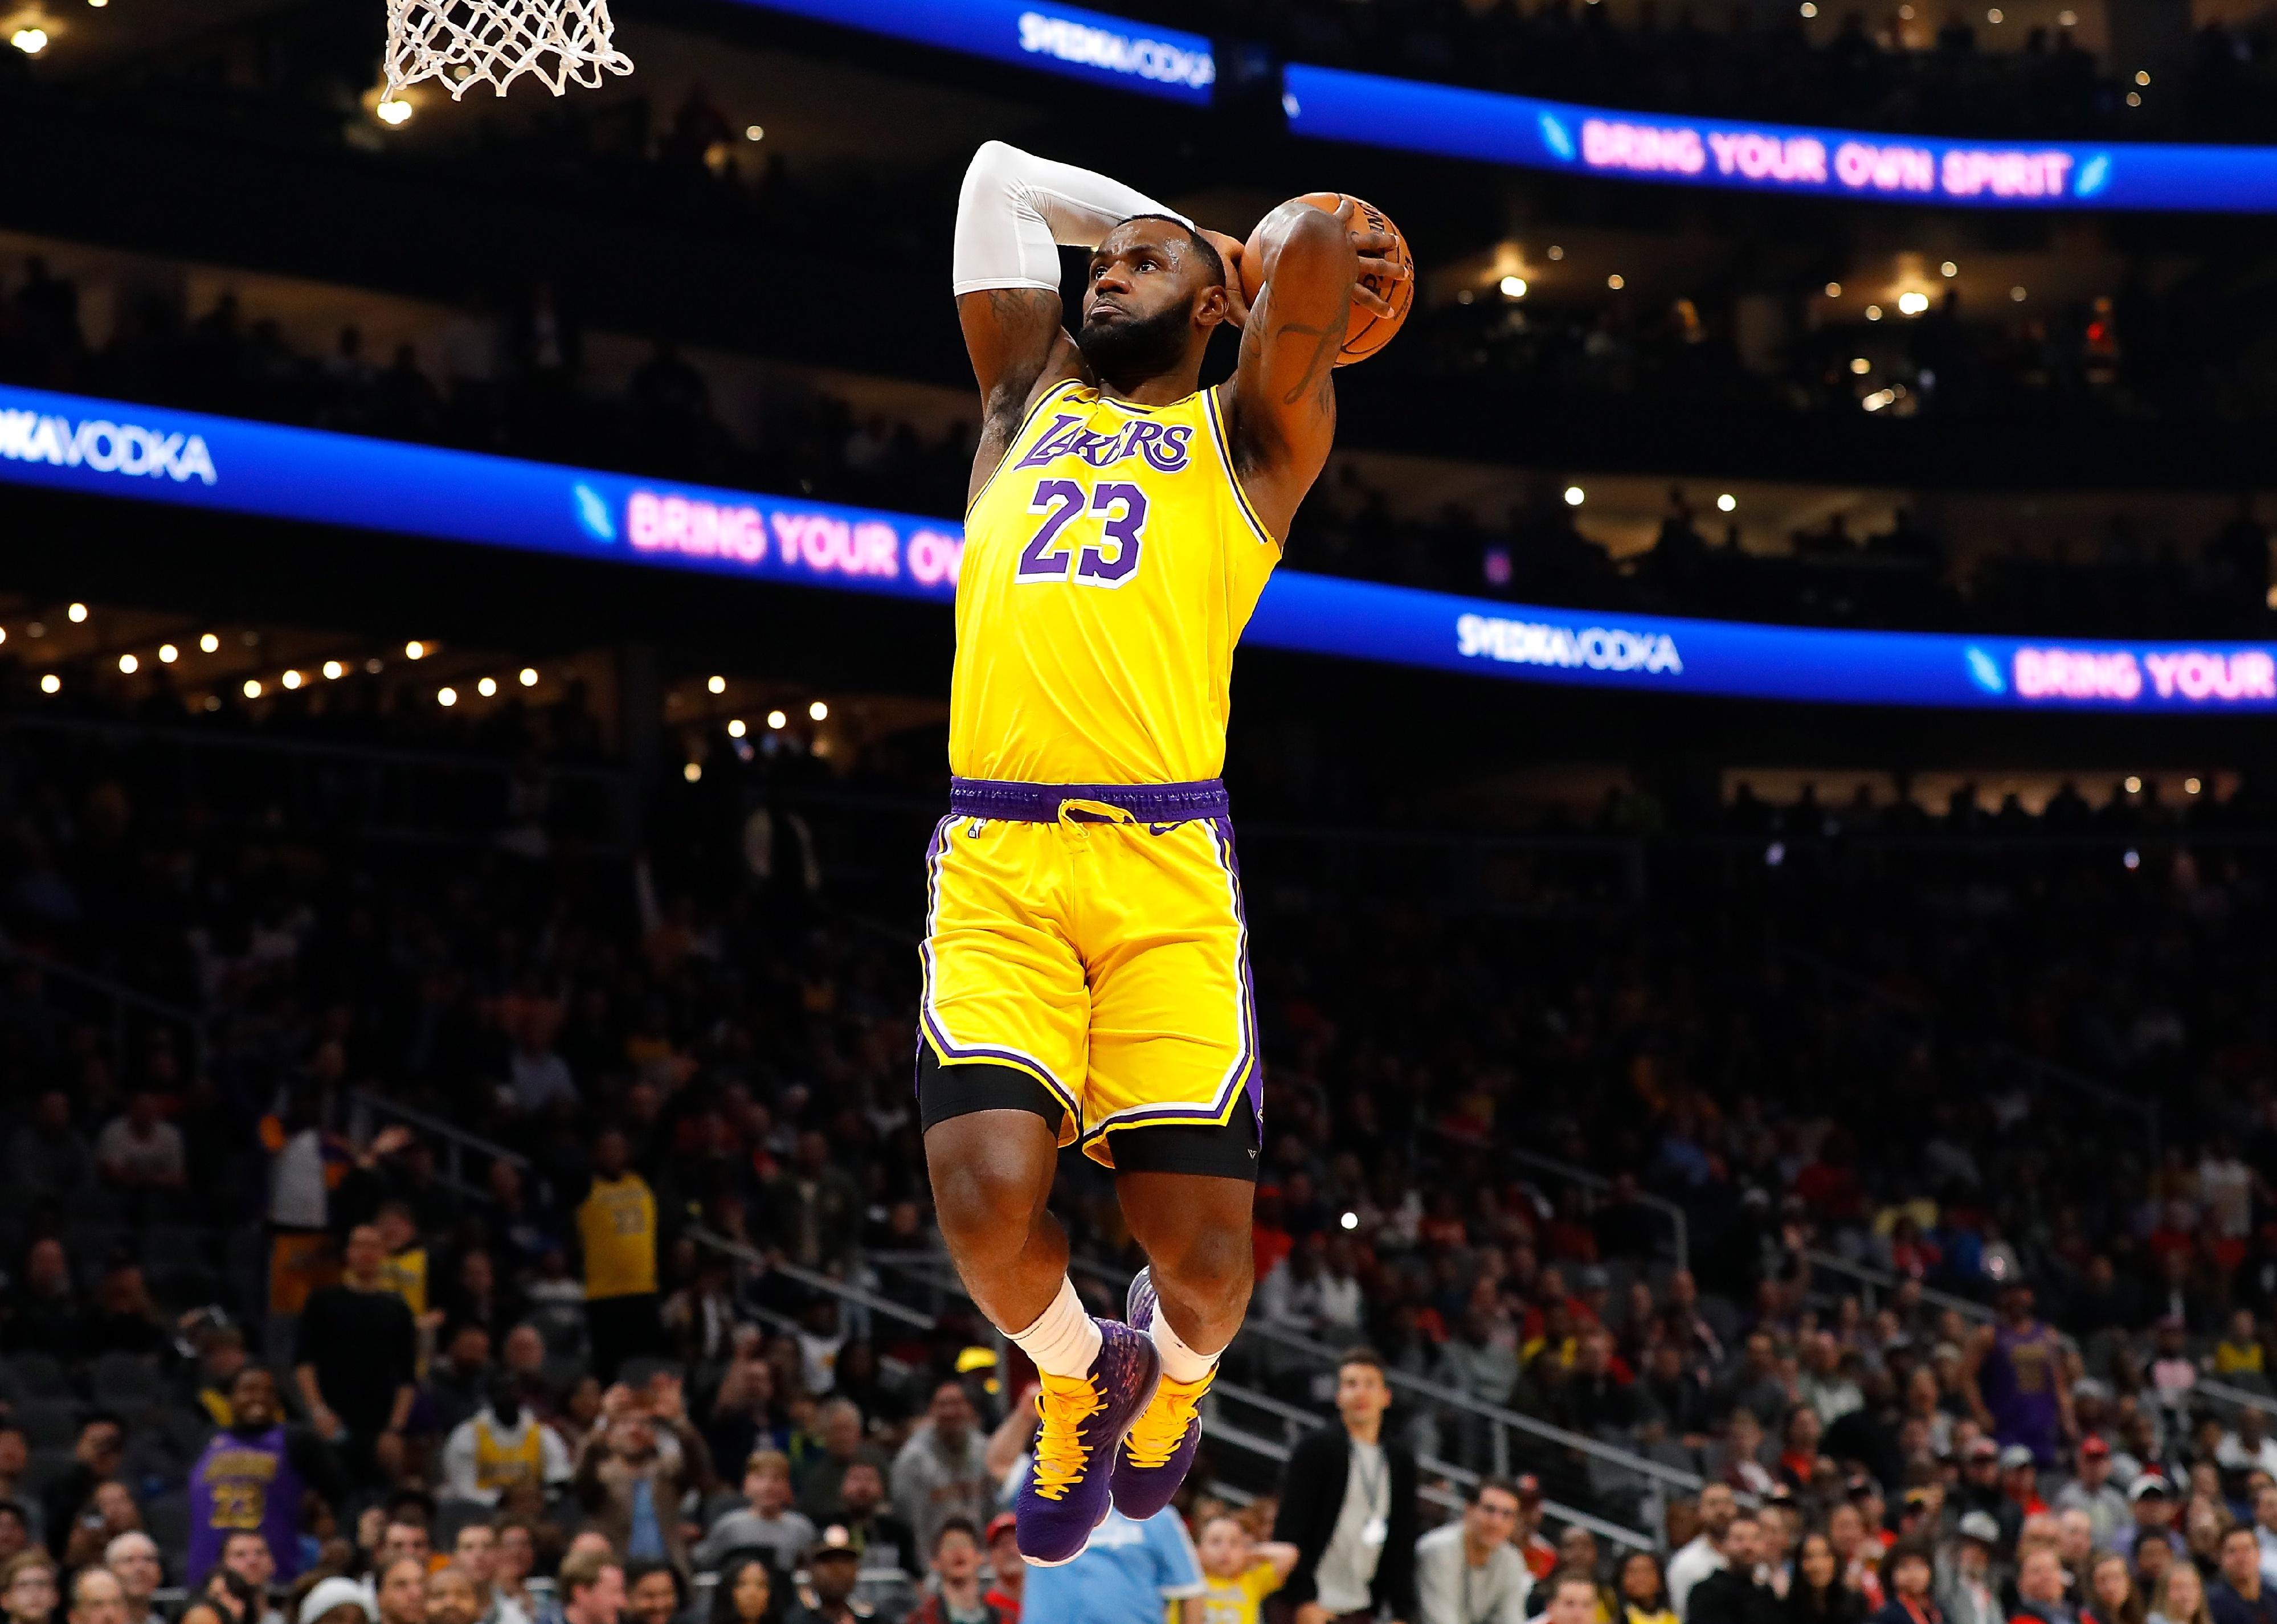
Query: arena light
[168, 654]
[393, 112]
[1575, 496]
[528, 676]
[2133, 859]
[818, 711]
[334, 671]
[2133, 98]
[52, 683]
[1948, 271]
[487, 688]
[446, 696]
[2017, 293]
[77, 613]
[693, 772]
[31, 42]
[753, 132]
[736, 728]
[290, 679]
[1556, 253]
[252, 688]
[1349, 1221]
[778, 721]
[1775, 854]
[1911, 304]
[1834, 290]
[1726, 503]
[1996, 16]
[128, 664]
[415, 650]
[717, 684]
[208, 644]
[1873, 313]
[2191, 786]
[2066, 19]
[1513, 287]
[1860, 366]
[1617, 281]
[2143, 78]
[2134, 785]
[375, 665]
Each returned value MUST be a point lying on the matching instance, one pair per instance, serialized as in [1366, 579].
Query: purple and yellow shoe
[1159, 1450]
[1085, 1418]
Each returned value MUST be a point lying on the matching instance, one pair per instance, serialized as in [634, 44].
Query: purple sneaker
[1085, 1418]
[1159, 1450]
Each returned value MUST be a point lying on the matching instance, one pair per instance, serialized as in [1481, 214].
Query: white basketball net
[468, 43]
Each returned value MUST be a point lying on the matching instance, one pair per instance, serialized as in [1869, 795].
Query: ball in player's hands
[1369, 331]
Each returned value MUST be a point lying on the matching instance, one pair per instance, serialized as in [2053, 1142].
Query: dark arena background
[1755, 780]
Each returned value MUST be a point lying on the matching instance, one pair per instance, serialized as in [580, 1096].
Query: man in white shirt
[2249, 1448]
[142, 1150]
[2093, 1492]
[1468, 1572]
[1703, 1554]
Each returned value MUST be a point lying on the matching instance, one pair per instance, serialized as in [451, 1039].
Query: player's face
[1148, 294]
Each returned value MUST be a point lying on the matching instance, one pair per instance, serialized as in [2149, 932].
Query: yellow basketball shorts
[1092, 936]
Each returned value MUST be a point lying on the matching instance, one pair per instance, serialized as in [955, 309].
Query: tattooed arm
[1011, 216]
[1281, 406]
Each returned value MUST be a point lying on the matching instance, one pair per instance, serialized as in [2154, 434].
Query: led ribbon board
[1450, 122]
[1059, 39]
[227, 465]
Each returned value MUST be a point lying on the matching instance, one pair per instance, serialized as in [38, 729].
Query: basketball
[1370, 332]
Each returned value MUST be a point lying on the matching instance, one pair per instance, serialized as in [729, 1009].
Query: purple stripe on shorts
[1025, 803]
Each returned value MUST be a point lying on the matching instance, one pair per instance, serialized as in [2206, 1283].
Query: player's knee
[1211, 1268]
[986, 1205]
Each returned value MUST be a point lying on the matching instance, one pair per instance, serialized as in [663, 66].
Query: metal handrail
[1882, 1279]
[121, 997]
[743, 1251]
[1576, 1173]
[1297, 1415]
[363, 1104]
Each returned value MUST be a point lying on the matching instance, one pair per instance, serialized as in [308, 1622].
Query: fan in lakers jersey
[1086, 971]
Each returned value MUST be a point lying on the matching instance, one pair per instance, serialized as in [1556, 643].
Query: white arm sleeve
[1016, 208]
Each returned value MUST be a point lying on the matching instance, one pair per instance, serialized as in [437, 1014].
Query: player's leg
[1174, 1085]
[1005, 1011]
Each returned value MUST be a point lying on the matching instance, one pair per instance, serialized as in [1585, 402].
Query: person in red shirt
[1541, 1556]
[2019, 1479]
[1006, 1568]
[1908, 1571]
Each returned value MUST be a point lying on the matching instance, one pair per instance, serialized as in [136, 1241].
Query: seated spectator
[766, 1521]
[46, 1316]
[2241, 1597]
[1007, 1568]
[2249, 1447]
[223, 1598]
[517, 1559]
[1907, 1574]
[95, 1460]
[16, 1535]
[746, 1593]
[883, 1538]
[29, 1589]
[652, 1593]
[122, 1318]
[459, 1380]
[475, 1551]
[2041, 1586]
[2154, 1509]
[2109, 1596]
[132, 1559]
[47, 1161]
[334, 1600]
[833, 1566]
[451, 1596]
[501, 1448]
[399, 1588]
[1729, 1595]
[1642, 1594]
[820, 1457]
[942, 1471]
[955, 1597]
[97, 1597]
[140, 1150]
[1703, 1553]
[2092, 1492]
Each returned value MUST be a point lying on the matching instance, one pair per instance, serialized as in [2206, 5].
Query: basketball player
[1086, 959]
[2015, 1380]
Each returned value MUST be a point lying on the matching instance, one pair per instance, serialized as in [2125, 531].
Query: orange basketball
[1370, 332]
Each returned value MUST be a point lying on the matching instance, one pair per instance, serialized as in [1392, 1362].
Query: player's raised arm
[1281, 407]
[1014, 210]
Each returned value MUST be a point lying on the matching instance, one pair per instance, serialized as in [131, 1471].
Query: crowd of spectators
[516, 388]
[1935, 69]
[242, 1315]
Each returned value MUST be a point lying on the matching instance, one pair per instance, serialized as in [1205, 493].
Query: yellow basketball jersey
[504, 1460]
[1110, 564]
[616, 1225]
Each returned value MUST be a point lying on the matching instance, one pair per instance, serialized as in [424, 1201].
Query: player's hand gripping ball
[1386, 289]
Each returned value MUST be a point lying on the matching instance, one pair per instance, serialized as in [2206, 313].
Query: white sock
[1180, 1363]
[1063, 1341]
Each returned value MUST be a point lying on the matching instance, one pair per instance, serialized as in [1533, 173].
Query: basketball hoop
[468, 43]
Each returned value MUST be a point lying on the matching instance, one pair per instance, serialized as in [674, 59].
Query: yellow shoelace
[1157, 1433]
[1065, 1403]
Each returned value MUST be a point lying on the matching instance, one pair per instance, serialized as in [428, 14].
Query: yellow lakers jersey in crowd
[1110, 564]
